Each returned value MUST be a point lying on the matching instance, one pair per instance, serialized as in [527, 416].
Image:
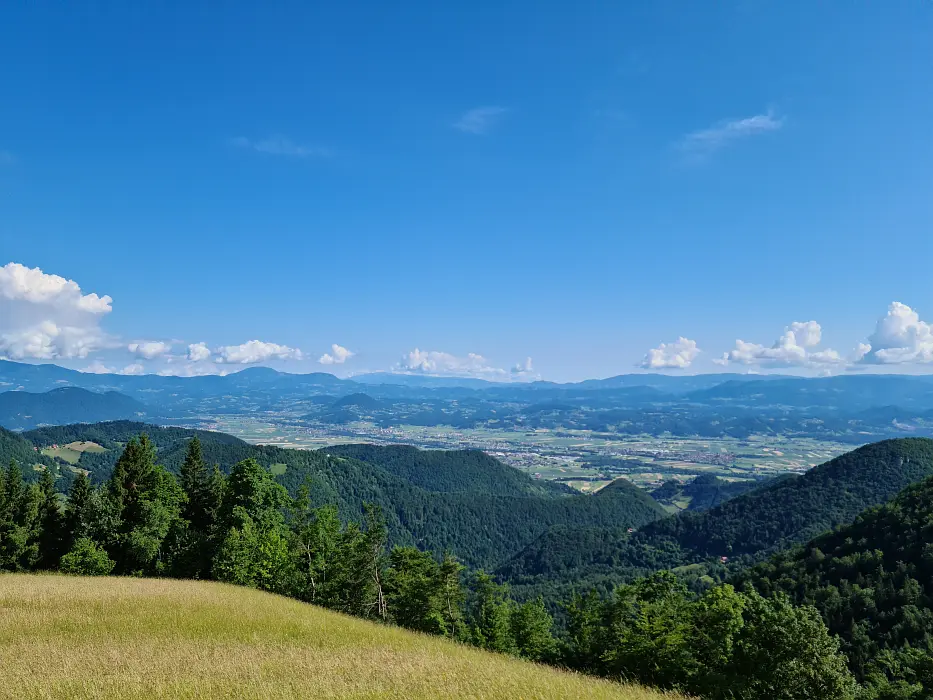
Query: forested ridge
[427, 497]
[737, 532]
[872, 582]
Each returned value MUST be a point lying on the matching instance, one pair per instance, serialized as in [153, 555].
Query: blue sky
[575, 183]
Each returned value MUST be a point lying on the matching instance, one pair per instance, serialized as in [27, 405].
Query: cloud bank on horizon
[47, 317]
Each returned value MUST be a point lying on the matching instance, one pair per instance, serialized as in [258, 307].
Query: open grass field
[71, 452]
[70, 637]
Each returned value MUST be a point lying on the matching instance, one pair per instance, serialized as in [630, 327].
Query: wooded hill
[459, 501]
[872, 582]
[742, 530]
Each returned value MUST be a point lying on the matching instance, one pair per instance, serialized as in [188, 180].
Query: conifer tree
[490, 623]
[49, 532]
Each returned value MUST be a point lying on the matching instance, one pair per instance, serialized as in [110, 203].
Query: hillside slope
[450, 470]
[66, 637]
[872, 580]
[483, 523]
[785, 513]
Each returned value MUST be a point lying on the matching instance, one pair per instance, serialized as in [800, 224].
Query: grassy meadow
[71, 637]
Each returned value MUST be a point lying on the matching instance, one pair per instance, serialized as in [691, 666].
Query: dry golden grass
[68, 637]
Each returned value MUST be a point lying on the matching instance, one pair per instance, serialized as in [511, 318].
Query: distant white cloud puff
[705, 142]
[480, 120]
[98, 367]
[337, 355]
[793, 348]
[523, 369]
[48, 317]
[255, 351]
[193, 369]
[677, 355]
[281, 146]
[438, 363]
[198, 352]
[149, 349]
[900, 337]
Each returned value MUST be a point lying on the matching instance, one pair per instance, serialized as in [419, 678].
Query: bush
[87, 559]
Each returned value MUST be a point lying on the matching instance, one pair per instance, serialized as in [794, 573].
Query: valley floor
[70, 637]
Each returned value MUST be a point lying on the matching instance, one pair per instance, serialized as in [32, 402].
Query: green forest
[846, 616]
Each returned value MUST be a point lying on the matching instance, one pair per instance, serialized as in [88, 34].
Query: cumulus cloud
[149, 349]
[98, 367]
[900, 337]
[281, 146]
[523, 369]
[255, 351]
[192, 369]
[48, 317]
[198, 352]
[677, 355]
[793, 348]
[337, 355]
[480, 121]
[705, 142]
[438, 363]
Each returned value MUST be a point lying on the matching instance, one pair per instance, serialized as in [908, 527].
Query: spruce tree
[490, 623]
[49, 531]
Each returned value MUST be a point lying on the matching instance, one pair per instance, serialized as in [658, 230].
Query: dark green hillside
[451, 470]
[22, 410]
[703, 492]
[744, 529]
[484, 522]
[872, 580]
[14, 446]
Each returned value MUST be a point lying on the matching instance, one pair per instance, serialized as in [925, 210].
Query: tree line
[244, 528]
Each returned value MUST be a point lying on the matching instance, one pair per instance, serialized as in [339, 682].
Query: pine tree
[145, 501]
[490, 626]
[531, 625]
[79, 511]
[194, 540]
[49, 531]
[15, 521]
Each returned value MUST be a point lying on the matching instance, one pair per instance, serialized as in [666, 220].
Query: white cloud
[98, 367]
[433, 362]
[705, 142]
[149, 349]
[281, 146]
[677, 355]
[900, 337]
[793, 348]
[523, 368]
[255, 351]
[192, 369]
[198, 352]
[48, 317]
[480, 120]
[337, 355]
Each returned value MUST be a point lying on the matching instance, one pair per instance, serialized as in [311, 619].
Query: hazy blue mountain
[23, 410]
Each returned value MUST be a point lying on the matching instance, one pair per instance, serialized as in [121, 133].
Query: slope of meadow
[69, 637]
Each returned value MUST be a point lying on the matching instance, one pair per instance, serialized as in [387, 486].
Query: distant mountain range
[850, 408]
[23, 410]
